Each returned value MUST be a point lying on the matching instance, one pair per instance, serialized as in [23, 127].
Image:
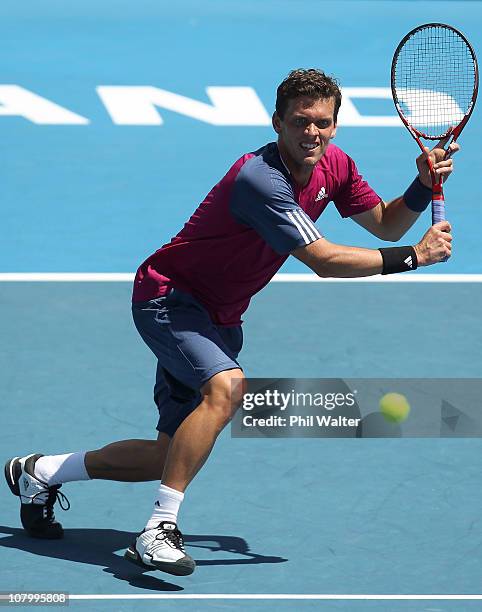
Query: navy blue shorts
[190, 349]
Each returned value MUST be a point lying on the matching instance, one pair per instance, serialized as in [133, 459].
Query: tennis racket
[434, 86]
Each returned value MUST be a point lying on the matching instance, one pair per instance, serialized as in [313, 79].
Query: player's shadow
[98, 547]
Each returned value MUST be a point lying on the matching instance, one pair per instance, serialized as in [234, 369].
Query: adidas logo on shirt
[409, 261]
[321, 194]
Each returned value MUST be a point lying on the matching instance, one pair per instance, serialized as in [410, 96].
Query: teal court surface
[108, 146]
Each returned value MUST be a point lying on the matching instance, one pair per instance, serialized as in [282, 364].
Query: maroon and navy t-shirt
[245, 228]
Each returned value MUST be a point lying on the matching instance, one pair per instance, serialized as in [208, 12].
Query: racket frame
[438, 200]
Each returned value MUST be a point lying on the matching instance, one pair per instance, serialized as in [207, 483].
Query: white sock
[166, 506]
[57, 469]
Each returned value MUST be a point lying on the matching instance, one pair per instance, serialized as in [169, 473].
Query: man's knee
[223, 394]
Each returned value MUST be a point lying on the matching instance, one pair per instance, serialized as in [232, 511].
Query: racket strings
[434, 80]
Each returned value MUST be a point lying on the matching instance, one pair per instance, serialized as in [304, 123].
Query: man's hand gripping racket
[434, 82]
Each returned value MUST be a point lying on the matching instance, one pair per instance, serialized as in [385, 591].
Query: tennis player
[189, 297]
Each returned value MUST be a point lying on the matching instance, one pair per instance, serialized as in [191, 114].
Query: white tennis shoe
[37, 498]
[161, 548]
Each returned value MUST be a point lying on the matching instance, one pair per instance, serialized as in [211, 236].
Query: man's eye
[323, 124]
[300, 122]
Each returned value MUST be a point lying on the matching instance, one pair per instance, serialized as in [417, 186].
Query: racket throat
[437, 188]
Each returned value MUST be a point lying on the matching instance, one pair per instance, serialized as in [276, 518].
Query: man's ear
[333, 133]
[276, 121]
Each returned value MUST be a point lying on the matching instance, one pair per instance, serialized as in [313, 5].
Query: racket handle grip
[438, 209]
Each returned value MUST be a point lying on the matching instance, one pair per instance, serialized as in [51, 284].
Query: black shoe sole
[133, 556]
[45, 535]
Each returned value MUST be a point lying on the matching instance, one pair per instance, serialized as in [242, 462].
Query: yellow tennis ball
[394, 407]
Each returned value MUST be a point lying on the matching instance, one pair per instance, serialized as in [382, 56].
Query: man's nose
[311, 129]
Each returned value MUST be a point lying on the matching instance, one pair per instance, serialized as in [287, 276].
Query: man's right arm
[329, 260]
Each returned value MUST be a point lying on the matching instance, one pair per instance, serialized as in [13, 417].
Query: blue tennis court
[104, 108]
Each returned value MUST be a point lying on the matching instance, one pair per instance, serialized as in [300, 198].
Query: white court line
[378, 278]
[279, 596]
[66, 277]
[116, 277]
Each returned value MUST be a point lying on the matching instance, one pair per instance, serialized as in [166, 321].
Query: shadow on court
[98, 547]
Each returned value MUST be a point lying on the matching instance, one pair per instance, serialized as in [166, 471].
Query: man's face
[305, 130]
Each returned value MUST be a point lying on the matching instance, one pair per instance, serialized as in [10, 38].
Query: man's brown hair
[309, 82]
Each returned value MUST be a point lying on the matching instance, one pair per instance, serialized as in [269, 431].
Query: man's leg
[145, 460]
[129, 460]
[195, 437]
[161, 543]
[36, 478]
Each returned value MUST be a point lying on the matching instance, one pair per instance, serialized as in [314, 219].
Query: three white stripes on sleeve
[304, 225]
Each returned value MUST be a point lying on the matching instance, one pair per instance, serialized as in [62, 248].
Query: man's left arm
[390, 221]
